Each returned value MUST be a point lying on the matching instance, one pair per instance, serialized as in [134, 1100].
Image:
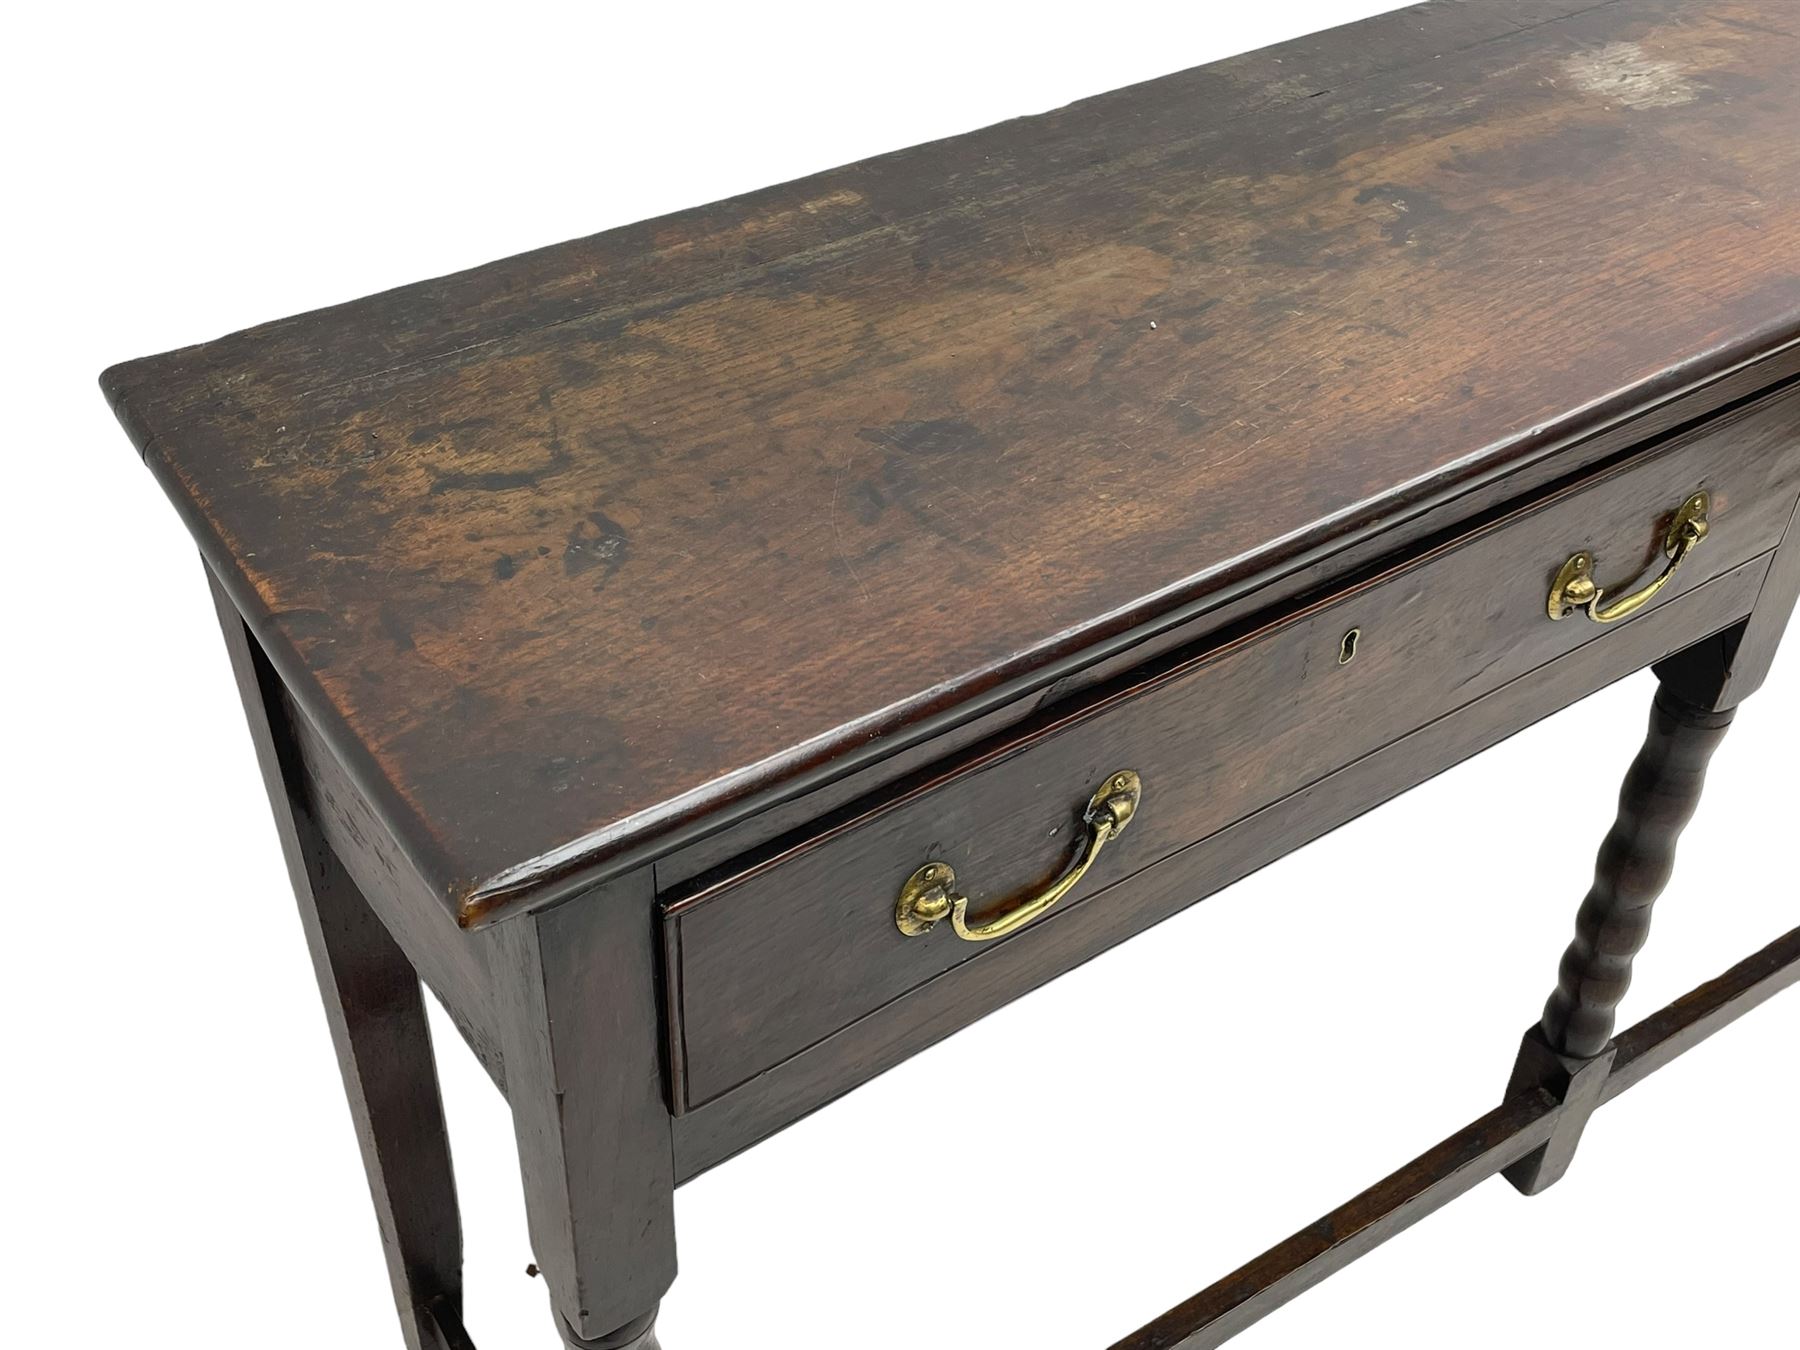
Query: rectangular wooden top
[579, 551]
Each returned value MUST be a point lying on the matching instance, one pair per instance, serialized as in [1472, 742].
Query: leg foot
[1577, 1084]
[636, 1335]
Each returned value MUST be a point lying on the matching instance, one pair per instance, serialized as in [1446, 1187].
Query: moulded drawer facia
[925, 1015]
[777, 957]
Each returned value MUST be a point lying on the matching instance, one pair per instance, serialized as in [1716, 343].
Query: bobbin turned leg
[1569, 1053]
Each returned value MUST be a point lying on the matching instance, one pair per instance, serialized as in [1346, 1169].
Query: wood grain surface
[573, 551]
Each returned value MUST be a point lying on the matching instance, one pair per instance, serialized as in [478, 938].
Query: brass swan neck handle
[1574, 587]
[928, 895]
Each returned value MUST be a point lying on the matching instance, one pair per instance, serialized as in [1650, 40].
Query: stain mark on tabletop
[447, 431]
[869, 502]
[942, 435]
[561, 772]
[1416, 219]
[1626, 74]
[596, 542]
[394, 625]
[503, 480]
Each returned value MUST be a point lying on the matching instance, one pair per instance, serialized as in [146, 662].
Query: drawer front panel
[774, 959]
[1067, 937]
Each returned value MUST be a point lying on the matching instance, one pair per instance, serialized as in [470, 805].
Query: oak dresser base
[722, 657]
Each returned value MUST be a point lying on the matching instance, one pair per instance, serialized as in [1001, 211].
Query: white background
[179, 1160]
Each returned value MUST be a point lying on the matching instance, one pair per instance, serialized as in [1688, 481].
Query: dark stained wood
[678, 591]
[1429, 1182]
[571, 554]
[1574, 1083]
[376, 1012]
[452, 967]
[447, 1323]
[577, 989]
[1697, 1014]
[777, 959]
[1724, 672]
[1088, 926]
[1751, 658]
[743, 836]
[639, 1335]
[1660, 795]
[1524, 1122]
[711, 248]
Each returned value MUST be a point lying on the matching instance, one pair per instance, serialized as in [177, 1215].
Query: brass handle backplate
[1574, 586]
[929, 894]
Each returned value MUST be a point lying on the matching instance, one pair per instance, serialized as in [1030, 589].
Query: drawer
[773, 956]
